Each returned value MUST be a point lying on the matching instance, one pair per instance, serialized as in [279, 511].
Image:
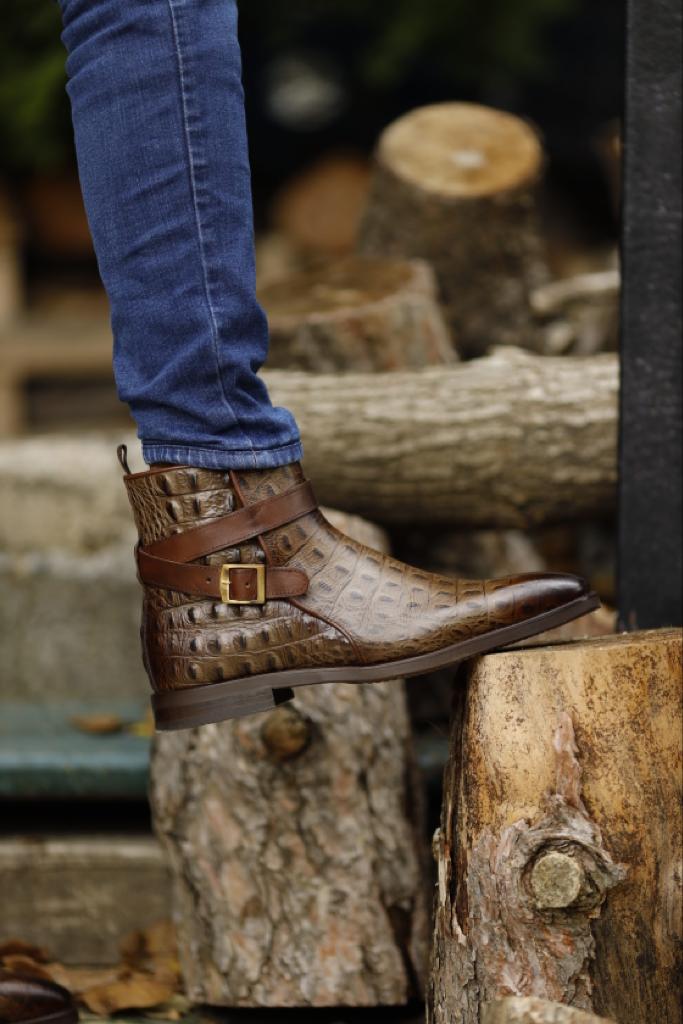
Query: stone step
[44, 756]
[79, 896]
[69, 626]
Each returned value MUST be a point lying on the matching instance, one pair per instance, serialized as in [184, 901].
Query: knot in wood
[286, 733]
[556, 880]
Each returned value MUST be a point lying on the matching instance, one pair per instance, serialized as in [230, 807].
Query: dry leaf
[158, 941]
[132, 991]
[98, 725]
[24, 965]
[16, 947]
[80, 979]
[145, 728]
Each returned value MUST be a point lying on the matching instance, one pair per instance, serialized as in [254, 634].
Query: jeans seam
[197, 216]
[220, 451]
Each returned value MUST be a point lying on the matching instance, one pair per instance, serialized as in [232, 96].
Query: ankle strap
[165, 562]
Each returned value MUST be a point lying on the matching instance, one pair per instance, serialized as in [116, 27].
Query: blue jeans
[158, 113]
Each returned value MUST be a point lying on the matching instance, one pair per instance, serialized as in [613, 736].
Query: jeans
[158, 112]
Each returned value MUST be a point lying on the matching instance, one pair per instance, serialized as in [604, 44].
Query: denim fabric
[158, 112]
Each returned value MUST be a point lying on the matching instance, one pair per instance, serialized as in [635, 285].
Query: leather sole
[217, 702]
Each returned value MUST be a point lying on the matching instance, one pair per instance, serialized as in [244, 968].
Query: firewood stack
[445, 382]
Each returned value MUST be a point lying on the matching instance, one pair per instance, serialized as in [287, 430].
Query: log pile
[455, 184]
[293, 836]
[357, 314]
[513, 439]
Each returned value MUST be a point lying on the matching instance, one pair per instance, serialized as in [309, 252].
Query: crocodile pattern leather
[24, 999]
[362, 607]
[193, 641]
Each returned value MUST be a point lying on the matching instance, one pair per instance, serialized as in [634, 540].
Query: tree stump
[455, 184]
[560, 841]
[512, 440]
[536, 1011]
[293, 839]
[357, 314]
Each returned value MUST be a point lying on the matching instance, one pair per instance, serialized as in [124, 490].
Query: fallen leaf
[145, 728]
[151, 943]
[24, 965]
[12, 947]
[80, 979]
[98, 725]
[131, 991]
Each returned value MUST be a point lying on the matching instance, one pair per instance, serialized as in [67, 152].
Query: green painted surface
[43, 755]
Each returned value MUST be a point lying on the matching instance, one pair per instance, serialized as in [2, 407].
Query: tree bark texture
[536, 1011]
[455, 184]
[293, 839]
[357, 314]
[560, 841]
[511, 440]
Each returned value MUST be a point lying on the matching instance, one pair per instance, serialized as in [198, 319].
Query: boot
[28, 1000]
[249, 592]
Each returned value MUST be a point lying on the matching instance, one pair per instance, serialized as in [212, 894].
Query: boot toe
[533, 594]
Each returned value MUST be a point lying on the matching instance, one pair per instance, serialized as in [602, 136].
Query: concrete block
[79, 896]
[63, 493]
[69, 626]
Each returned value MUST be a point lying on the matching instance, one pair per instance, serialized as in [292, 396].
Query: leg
[160, 134]
[249, 591]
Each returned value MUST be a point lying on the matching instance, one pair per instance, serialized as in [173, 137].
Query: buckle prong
[260, 582]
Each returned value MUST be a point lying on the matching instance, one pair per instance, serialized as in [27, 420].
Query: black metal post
[651, 450]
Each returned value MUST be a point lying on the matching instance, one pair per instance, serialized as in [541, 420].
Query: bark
[357, 314]
[561, 832]
[536, 1011]
[293, 844]
[455, 184]
[510, 440]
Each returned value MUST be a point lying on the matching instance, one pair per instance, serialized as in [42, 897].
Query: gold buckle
[260, 583]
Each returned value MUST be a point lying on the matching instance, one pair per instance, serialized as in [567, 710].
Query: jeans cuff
[217, 458]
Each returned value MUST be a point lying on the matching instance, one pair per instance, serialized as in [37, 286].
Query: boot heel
[187, 709]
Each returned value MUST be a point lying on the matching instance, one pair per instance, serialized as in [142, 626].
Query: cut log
[536, 1011]
[357, 314]
[578, 314]
[320, 208]
[560, 840]
[510, 440]
[455, 184]
[294, 848]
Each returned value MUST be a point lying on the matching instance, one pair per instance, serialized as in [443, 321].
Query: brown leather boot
[249, 592]
[28, 1000]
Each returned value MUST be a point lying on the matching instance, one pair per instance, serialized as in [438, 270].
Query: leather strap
[166, 562]
[237, 527]
[205, 580]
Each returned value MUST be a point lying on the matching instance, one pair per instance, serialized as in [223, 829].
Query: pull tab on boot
[122, 453]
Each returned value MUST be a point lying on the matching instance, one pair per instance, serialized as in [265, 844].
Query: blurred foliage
[383, 44]
[461, 41]
[35, 130]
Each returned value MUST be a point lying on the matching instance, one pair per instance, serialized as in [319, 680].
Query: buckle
[260, 571]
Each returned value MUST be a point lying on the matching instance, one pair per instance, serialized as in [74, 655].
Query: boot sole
[218, 702]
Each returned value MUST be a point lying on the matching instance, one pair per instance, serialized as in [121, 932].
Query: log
[578, 314]
[357, 314]
[560, 840]
[455, 184]
[511, 440]
[293, 840]
[536, 1011]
